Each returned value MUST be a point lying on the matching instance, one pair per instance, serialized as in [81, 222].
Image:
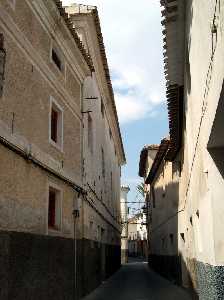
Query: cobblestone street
[134, 281]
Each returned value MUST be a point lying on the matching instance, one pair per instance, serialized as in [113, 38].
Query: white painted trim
[36, 60]
[93, 45]
[55, 186]
[46, 20]
[59, 146]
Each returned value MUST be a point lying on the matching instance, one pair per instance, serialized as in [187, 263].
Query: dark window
[54, 125]
[102, 108]
[51, 208]
[2, 63]
[103, 163]
[111, 181]
[110, 133]
[56, 59]
[90, 133]
[171, 238]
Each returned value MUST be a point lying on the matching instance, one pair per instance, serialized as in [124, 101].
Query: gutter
[30, 158]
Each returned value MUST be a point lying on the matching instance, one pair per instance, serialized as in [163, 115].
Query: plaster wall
[201, 191]
[32, 80]
[164, 220]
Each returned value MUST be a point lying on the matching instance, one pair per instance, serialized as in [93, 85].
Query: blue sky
[133, 42]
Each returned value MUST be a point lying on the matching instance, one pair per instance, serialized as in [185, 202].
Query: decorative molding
[36, 60]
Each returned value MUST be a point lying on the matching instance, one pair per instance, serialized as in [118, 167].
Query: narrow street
[134, 281]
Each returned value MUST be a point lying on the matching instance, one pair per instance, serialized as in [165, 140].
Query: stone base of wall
[38, 267]
[167, 266]
[210, 281]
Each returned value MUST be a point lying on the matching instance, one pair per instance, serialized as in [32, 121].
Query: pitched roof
[92, 10]
[69, 24]
[143, 158]
[173, 22]
[160, 155]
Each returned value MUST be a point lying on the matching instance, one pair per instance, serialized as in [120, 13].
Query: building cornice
[144, 157]
[92, 17]
[74, 34]
[173, 22]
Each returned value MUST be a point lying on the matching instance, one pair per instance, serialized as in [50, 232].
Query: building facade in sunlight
[61, 153]
[124, 223]
[162, 182]
[137, 236]
[194, 70]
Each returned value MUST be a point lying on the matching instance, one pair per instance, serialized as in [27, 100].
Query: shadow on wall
[164, 255]
[216, 142]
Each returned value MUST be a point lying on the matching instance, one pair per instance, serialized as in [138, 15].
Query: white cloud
[132, 37]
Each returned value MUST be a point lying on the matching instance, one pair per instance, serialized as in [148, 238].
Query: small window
[103, 163]
[90, 133]
[2, 63]
[54, 209]
[171, 238]
[56, 124]
[110, 133]
[56, 59]
[102, 108]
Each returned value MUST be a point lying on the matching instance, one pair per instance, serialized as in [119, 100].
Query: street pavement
[135, 281]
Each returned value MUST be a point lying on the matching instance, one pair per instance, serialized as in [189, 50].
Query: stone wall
[167, 266]
[43, 267]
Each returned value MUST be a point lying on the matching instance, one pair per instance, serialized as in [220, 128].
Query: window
[171, 238]
[102, 108]
[56, 58]
[54, 209]
[103, 163]
[110, 133]
[90, 133]
[2, 63]
[56, 124]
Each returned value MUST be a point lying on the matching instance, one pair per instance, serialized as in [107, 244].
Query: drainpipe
[76, 216]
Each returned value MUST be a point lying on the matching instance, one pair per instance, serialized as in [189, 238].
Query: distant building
[193, 181]
[137, 236]
[162, 202]
[124, 224]
[61, 153]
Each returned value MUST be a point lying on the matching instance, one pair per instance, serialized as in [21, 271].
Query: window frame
[59, 144]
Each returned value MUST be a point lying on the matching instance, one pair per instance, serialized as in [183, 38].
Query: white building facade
[124, 224]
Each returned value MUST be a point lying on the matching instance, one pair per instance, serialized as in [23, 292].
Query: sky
[133, 41]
